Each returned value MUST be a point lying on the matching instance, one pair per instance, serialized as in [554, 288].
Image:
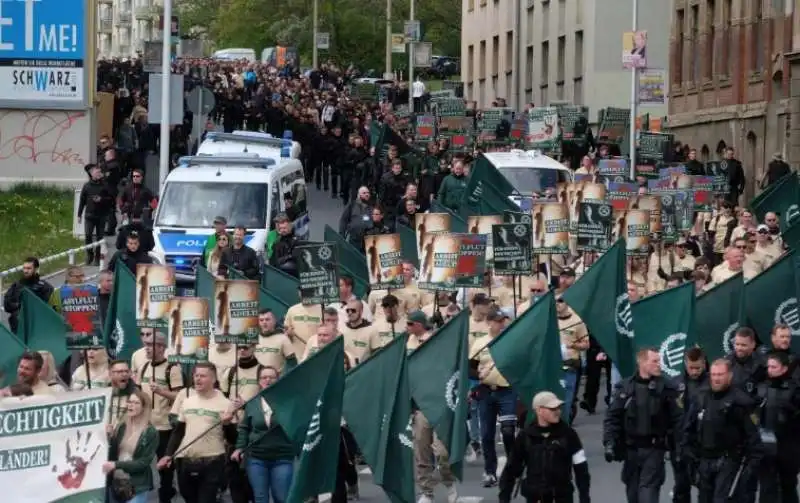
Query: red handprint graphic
[77, 461]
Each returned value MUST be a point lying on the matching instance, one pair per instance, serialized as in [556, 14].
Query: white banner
[42, 83]
[52, 448]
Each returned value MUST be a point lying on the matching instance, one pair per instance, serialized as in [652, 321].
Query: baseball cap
[390, 301]
[220, 220]
[482, 299]
[568, 271]
[417, 317]
[546, 399]
[497, 315]
[763, 227]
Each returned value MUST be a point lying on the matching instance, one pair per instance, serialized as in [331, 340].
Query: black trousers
[715, 478]
[594, 369]
[777, 480]
[643, 474]
[346, 470]
[682, 490]
[166, 489]
[200, 479]
[238, 484]
[93, 230]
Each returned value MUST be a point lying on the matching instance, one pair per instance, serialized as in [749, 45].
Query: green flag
[377, 409]
[41, 328]
[13, 348]
[483, 173]
[457, 224]
[307, 403]
[266, 300]
[121, 333]
[439, 381]
[783, 197]
[408, 243]
[204, 286]
[771, 298]
[717, 316]
[528, 352]
[286, 288]
[791, 236]
[489, 200]
[665, 321]
[349, 256]
[600, 297]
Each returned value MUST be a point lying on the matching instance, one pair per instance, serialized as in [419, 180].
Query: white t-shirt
[417, 89]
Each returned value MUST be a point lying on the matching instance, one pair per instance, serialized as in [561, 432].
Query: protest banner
[471, 263]
[81, 312]
[57, 445]
[236, 317]
[482, 224]
[384, 261]
[189, 330]
[512, 249]
[594, 225]
[439, 262]
[550, 228]
[318, 271]
[155, 287]
[427, 225]
[634, 226]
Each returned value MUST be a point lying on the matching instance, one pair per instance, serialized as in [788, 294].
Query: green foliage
[357, 27]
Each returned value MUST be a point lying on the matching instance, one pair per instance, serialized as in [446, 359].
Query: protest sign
[81, 312]
[384, 261]
[155, 287]
[189, 330]
[236, 317]
[318, 271]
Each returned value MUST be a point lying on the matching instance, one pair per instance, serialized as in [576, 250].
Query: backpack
[167, 372]
[234, 371]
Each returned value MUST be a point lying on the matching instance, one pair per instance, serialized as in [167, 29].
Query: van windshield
[528, 180]
[196, 204]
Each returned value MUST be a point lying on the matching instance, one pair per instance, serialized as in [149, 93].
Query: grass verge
[35, 220]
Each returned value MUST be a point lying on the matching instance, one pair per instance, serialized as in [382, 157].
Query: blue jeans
[570, 385]
[139, 498]
[267, 477]
[474, 422]
[498, 405]
[615, 375]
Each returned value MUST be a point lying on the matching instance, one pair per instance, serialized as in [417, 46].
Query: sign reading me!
[44, 45]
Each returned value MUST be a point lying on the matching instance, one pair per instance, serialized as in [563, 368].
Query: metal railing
[71, 255]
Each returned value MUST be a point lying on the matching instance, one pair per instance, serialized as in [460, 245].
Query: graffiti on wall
[44, 137]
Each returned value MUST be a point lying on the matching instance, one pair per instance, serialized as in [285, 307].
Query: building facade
[730, 76]
[123, 26]
[568, 50]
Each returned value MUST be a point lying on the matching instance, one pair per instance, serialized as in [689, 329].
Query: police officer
[720, 440]
[691, 384]
[747, 364]
[779, 419]
[781, 338]
[550, 450]
[643, 413]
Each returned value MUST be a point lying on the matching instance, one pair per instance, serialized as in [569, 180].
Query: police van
[242, 142]
[529, 172]
[247, 189]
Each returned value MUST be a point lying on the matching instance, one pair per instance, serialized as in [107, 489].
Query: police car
[529, 172]
[248, 189]
[263, 144]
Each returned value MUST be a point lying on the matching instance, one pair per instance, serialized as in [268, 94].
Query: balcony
[124, 19]
[105, 25]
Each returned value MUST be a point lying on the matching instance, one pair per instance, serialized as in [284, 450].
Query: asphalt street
[606, 484]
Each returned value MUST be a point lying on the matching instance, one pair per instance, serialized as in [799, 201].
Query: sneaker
[471, 456]
[425, 499]
[489, 480]
[476, 446]
[452, 494]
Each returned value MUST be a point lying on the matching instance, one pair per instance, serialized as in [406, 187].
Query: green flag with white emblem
[783, 197]
[665, 321]
[717, 315]
[41, 328]
[13, 348]
[121, 332]
[600, 297]
[307, 403]
[439, 381]
[771, 298]
[377, 409]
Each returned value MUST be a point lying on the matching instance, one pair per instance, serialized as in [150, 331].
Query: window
[495, 90]
[495, 54]
[196, 204]
[578, 70]
[294, 195]
[544, 72]
[579, 12]
[560, 63]
[545, 19]
[470, 61]
[711, 35]
[695, 50]
[544, 100]
[560, 90]
[677, 73]
[529, 26]
[470, 5]
[482, 60]
[577, 91]
[529, 67]
[510, 51]
[757, 59]
[562, 15]
[727, 37]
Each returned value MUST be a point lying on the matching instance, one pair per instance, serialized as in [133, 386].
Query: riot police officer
[781, 338]
[691, 384]
[720, 439]
[643, 414]
[779, 420]
[747, 364]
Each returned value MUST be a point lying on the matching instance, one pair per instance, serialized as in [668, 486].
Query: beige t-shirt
[722, 272]
[479, 350]
[42, 388]
[384, 329]
[99, 376]
[361, 342]
[137, 360]
[301, 323]
[161, 405]
[273, 350]
[221, 359]
[478, 330]
[414, 341]
[244, 384]
[199, 414]
[572, 332]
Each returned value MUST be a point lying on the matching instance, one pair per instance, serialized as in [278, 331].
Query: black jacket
[546, 457]
[130, 260]
[146, 241]
[243, 260]
[13, 297]
[96, 200]
[283, 254]
[135, 198]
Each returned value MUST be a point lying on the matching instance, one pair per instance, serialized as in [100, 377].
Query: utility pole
[412, 18]
[166, 77]
[387, 73]
[634, 96]
[315, 22]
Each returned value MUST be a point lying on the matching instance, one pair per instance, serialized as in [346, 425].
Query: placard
[550, 228]
[384, 261]
[318, 271]
[81, 312]
[155, 287]
[236, 317]
[594, 225]
[189, 330]
[512, 244]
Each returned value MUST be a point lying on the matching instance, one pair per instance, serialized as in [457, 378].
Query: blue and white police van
[263, 144]
[247, 189]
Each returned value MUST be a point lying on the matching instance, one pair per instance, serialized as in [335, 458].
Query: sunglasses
[350, 310]
[741, 247]
[537, 290]
[763, 232]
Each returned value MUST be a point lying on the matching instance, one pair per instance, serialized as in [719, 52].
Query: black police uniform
[690, 390]
[720, 439]
[794, 368]
[642, 416]
[779, 422]
[548, 455]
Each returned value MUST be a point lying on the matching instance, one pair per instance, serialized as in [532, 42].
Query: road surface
[606, 485]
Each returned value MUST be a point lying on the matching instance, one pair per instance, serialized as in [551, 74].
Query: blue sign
[186, 244]
[44, 52]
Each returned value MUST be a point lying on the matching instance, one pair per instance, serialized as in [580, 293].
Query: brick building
[730, 80]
